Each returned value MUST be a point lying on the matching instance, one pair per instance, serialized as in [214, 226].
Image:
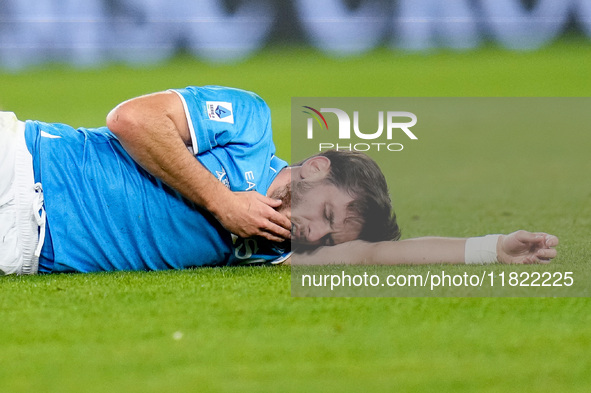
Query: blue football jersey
[105, 212]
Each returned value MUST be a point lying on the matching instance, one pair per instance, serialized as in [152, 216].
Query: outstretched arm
[154, 130]
[517, 247]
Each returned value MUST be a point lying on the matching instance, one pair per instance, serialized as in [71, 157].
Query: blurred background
[91, 33]
[72, 61]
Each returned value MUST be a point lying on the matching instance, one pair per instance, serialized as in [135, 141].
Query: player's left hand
[526, 247]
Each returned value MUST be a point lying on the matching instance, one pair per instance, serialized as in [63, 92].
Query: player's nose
[316, 231]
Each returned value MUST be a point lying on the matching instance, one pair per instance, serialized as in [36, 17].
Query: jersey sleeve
[219, 116]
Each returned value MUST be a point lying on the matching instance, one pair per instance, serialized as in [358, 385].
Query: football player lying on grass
[189, 177]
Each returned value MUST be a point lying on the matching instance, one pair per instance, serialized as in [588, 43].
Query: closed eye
[329, 215]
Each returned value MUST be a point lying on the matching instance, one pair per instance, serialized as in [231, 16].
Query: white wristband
[481, 250]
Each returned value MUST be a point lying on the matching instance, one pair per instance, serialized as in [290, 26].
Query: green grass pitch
[238, 329]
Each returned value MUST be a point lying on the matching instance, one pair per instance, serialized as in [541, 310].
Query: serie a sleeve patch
[220, 111]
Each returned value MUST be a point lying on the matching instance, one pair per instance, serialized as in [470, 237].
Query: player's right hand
[248, 214]
[526, 247]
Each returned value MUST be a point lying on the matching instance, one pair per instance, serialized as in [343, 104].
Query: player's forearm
[154, 142]
[419, 251]
[179, 169]
[423, 250]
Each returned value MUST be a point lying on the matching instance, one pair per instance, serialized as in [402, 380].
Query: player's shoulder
[225, 93]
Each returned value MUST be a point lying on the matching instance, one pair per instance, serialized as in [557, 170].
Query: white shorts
[22, 217]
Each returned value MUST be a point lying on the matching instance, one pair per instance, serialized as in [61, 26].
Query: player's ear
[315, 168]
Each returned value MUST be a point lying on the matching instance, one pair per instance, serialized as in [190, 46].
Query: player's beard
[291, 194]
[284, 195]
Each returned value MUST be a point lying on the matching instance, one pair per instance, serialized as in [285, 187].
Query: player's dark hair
[361, 177]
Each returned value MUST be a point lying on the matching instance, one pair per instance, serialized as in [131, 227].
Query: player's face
[319, 215]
